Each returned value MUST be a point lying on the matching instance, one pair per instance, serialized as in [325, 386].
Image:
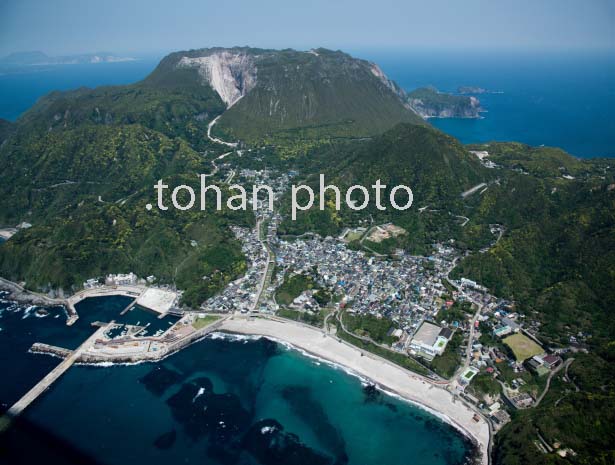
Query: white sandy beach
[387, 375]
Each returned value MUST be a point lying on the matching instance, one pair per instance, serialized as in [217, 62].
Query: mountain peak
[270, 91]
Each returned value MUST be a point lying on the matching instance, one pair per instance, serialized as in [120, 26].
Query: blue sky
[70, 26]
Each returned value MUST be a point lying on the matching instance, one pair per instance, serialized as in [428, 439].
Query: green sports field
[522, 346]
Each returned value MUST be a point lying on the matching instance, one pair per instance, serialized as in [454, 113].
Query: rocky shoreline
[428, 102]
[20, 294]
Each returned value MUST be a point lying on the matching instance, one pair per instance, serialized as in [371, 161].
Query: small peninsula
[428, 102]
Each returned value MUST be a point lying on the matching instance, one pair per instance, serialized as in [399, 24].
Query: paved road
[466, 363]
[565, 365]
[471, 190]
[479, 309]
[270, 261]
[215, 139]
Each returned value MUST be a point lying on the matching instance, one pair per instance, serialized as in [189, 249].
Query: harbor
[48, 380]
[104, 346]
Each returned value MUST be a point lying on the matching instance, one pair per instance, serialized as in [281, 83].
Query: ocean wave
[199, 393]
[115, 364]
[364, 380]
[28, 312]
[217, 335]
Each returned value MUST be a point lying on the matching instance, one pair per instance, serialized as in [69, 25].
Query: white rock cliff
[231, 74]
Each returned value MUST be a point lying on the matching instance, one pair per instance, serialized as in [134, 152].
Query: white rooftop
[427, 334]
[159, 300]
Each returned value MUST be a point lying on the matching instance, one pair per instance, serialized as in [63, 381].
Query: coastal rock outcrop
[430, 103]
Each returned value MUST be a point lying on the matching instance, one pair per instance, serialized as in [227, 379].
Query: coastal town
[322, 233]
[396, 319]
[494, 363]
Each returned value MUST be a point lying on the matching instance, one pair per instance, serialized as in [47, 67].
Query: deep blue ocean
[20, 90]
[221, 401]
[564, 100]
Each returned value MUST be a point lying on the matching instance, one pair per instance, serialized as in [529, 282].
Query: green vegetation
[434, 165]
[203, 321]
[314, 319]
[180, 106]
[534, 384]
[370, 326]
[80, 167]
[577, 420]
[485, 384]
[555, 259]
[54, 169]
[459, 311]
[97, 239]
[446, 364]
[346, 100]
[6, 128]
[384, 247]
[292, 287]
[538, 161]
[558, 254]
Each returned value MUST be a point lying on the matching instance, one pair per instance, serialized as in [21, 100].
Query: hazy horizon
[69, 27]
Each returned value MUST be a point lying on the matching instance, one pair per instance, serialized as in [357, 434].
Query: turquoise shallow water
[224, 401]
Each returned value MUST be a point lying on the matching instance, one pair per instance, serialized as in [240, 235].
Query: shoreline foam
[387, 376]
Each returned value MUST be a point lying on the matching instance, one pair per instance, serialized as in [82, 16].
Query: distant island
[428, 102]
[471, 90]
[475, 90]
[38, 58]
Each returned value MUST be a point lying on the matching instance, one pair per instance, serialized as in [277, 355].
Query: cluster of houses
[240, 295]
[408, 291]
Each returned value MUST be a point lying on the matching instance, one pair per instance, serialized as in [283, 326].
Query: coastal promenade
[48, 380]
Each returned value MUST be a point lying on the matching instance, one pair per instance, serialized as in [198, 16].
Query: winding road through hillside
[215, 139]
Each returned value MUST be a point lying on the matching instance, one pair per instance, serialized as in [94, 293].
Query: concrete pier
[41, 348]
[129, 307]
[48, 380]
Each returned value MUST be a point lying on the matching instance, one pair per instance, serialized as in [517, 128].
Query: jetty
[48, 380]
[41, 348]
[128, 307]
